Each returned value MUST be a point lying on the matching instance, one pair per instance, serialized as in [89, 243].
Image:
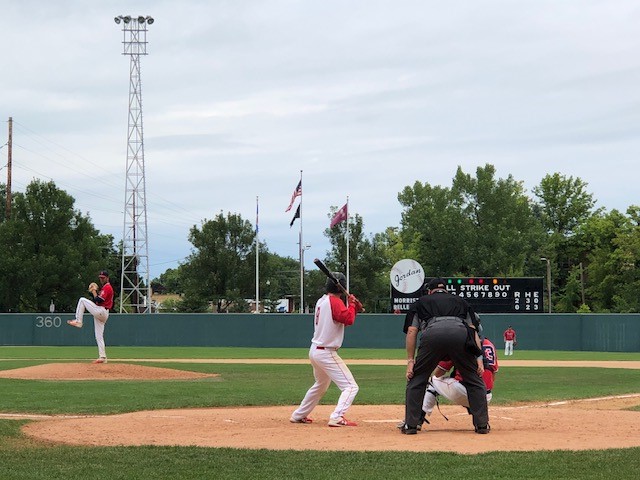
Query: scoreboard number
[499, 295]
[486, 294]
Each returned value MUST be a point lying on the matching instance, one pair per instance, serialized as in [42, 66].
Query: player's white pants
[449, 388]
[508, 347]
[100, 317]
[328, 367]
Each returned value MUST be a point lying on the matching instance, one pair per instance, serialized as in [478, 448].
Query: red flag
[296, 193]
[340, 216]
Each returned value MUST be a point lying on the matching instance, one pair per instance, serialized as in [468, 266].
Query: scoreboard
[499, 295]
[487, 294]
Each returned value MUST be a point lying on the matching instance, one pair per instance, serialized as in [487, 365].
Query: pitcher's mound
[108, 371]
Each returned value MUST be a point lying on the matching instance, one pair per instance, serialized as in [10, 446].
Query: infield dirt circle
[576, 425]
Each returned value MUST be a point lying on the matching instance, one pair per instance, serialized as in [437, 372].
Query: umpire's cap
[436, 283]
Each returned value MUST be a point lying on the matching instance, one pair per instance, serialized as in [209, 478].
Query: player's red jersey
[509, 334]
[106, 294]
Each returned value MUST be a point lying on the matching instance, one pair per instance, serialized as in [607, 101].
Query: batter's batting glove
[356, 303]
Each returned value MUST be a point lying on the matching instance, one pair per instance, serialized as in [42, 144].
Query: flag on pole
[297, 215]
[340, 216]
[296, 193]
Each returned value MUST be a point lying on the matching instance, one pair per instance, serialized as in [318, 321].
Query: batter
[331, 318]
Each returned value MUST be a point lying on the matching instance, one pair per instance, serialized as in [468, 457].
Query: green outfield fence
[574, 332]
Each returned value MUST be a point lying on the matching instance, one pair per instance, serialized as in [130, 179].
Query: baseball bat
[323, 268]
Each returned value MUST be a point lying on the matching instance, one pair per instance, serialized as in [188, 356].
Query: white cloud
[365, 97]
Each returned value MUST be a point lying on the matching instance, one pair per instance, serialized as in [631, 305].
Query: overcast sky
[365, 97]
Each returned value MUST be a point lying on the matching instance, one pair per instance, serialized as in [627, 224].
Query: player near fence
[510, 341]
[98, 306]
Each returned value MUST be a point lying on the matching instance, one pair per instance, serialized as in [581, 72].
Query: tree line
[479, 226]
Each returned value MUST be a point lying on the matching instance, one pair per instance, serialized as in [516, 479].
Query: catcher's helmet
[331, 287]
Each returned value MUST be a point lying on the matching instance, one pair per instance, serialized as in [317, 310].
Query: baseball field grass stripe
[242, 383]
[20, 459]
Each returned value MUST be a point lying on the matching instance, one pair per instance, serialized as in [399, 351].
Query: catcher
[451, 386]
[98, 307]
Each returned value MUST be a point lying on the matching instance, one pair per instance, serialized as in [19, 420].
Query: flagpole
[257, 261]
[301, 254]
[348, 290]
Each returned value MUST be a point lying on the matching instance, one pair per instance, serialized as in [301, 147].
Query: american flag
[296, 193]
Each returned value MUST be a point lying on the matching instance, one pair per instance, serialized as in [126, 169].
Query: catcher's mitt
[93, 287]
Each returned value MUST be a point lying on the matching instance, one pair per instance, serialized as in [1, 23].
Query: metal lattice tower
[135, 287]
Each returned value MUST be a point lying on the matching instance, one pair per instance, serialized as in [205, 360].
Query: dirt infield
[569, 425]
[109, 371]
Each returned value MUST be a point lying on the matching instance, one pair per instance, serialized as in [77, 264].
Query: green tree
[168, 282]
[279, 278]
[218, 270]
[3, 201]
[599, 238]
[563, 205]
[571, 297]
[627, 256]
[434, 228]
[51, 251]
[481, 226]
[501, 229]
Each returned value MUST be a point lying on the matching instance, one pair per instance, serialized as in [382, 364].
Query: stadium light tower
[135, 287]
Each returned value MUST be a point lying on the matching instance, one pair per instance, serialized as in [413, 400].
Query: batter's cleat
[75, 323]
[483, 429]
[407, 430]
[341, 422]
[301, 420]
[100, 360]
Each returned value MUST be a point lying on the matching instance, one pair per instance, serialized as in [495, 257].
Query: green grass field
[279, 384]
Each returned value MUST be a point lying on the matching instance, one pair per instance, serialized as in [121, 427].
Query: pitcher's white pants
[100, 317]
[328, 367]
[449, 388]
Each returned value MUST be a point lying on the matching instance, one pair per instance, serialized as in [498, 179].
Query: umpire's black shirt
[439, 303]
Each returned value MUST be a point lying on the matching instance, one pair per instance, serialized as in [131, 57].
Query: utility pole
[582, 282]
[135, 287]
[544, 259]
[9, 155]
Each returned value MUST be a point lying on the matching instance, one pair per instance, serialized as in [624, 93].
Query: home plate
[381, 421]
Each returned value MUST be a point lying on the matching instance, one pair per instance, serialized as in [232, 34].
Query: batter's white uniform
[331, 317]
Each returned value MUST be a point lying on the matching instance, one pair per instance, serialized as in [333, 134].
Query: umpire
[446, 332]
